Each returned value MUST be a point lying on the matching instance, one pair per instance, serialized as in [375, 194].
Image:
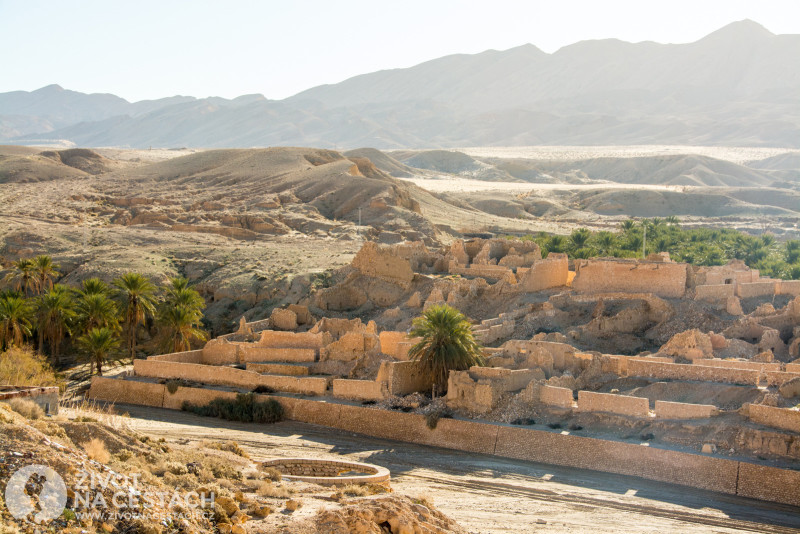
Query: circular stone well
[329, 472]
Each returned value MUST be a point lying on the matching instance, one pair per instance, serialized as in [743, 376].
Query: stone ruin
[599, 343]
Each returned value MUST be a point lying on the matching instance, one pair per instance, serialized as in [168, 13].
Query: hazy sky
[150, 49]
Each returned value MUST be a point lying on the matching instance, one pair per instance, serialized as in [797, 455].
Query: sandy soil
[738, 155]
[488, 495]
[449, 183]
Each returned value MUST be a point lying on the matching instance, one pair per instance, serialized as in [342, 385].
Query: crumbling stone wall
[665, 279]
[682, 410]
[544, 274]
[404, 378]
[675, 371]
[381, 262]
[783, 418]
[480, 388]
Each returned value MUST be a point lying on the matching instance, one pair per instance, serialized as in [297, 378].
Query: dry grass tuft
[268, 489]
[26, 408]
[271, 473]
[229, 446]
[96, 450]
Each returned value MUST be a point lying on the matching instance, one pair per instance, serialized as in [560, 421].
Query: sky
[147, 49]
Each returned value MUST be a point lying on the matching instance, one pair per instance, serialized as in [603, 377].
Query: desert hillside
[737, 87]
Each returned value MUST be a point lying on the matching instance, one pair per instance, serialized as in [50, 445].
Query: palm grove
[101, 321]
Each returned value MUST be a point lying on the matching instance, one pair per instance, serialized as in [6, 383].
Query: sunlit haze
[152, 49]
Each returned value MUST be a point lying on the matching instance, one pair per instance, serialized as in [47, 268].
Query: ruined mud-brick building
[699, 362]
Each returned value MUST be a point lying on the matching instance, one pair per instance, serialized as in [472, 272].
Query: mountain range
[738, 86]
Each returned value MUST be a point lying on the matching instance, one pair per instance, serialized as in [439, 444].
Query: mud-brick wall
[682, 410]
[783, 418]
[361, 390]
[545, 274]
[713, 293]
[191, 356]
[757, 289]
[679, 371]
[589, 401]
[555, 396]
[662, 279]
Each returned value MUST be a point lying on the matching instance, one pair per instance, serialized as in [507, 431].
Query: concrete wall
[229, 376]
[700, 471]
[553, 396]
[45, 397]
[589, 401]
[630, 276]
[127, 391]
[360, 390]
[192, 356]
[783, 418]
[681, 410]
[677, 371]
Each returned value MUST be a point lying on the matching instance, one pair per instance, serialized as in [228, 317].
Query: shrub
[432, 418]
[268, 489]
[173, 385]
[26, 408]
[228, 446]
[244, 408]
[96, 450]
[271, 473]
[22, 367]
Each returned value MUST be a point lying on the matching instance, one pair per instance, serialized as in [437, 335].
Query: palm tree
[580, 237]
[447, 344]
[46, 271]
[180, 316]
[672, 220]
[628, 225]
[15, 319]
[179, 293]
[556, 243]
[94, 286]
[179, 327]
[606, 242]
[96, 310]
[22, 277]
[99, 345]
[54, 312]
[136, 294]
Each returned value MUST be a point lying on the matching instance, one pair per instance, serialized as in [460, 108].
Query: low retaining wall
[360, 390]
[229, 376]
[326, 472]
[778, 378]
[191, 356]
[700, 373]
[783, 418]
[589, 401]
[714, 292]
[733, 364]
[286, 369]
[554, 396]
[682, 410]
[251, 353]
[695, 470]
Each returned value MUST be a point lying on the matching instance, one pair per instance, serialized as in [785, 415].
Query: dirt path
[489, 495]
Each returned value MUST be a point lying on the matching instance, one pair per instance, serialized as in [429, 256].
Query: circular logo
[37, 490]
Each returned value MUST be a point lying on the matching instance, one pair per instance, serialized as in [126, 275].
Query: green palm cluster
[96, 315]
[699, 246]
[446, 344]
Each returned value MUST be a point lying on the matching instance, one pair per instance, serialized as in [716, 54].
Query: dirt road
[490, 495]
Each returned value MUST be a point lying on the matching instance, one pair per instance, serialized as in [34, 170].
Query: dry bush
[268, 489]
[26, 408]
[23, 367]
[228, 446]
[54, 430]
[271, 473]
[96, 450]
[185, 481]
[424, 500]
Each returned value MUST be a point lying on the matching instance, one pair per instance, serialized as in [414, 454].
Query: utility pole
[644, 241]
